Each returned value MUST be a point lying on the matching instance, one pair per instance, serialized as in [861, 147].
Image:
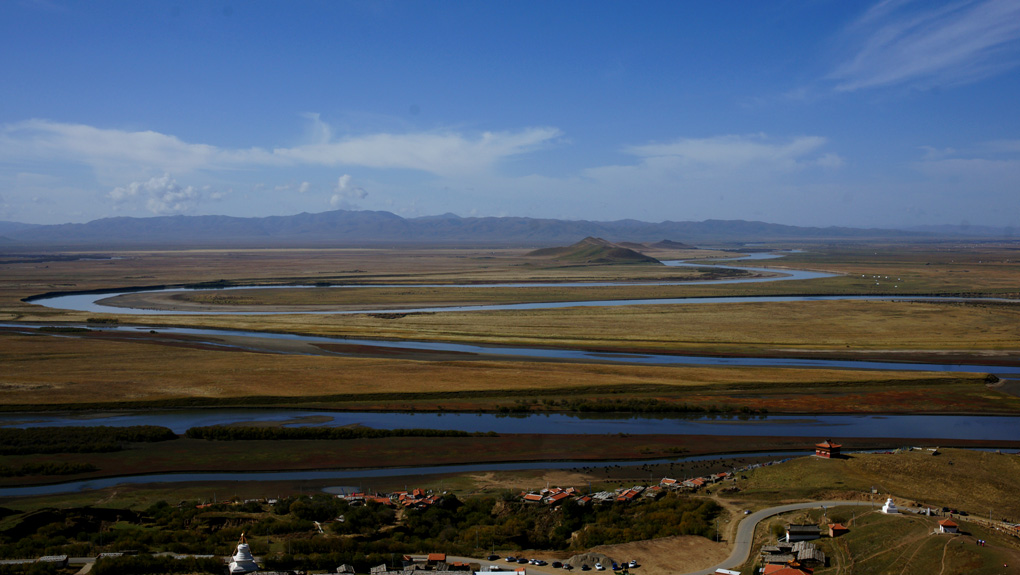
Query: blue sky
[803, 112]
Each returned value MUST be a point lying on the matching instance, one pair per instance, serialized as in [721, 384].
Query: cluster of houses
[433, 564]
[414, 499]
[793, 554]
[555, 495]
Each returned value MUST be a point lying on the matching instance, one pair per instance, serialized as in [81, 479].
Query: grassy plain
[905, 544]
[980, 483]
[973, 481]
[99, 368]
[933, 269]
[73, 371]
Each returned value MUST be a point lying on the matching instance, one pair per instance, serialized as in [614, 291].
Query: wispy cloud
[732, 151]
[929, 43]
[442, 153]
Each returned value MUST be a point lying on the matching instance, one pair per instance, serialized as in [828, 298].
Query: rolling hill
[594, 251]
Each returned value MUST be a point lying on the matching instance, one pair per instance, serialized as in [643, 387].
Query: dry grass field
[973, 481]
[67, 369]
[98, 368]
[906, 544]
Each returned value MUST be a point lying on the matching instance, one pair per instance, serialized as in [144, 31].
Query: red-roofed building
[837, 529]
[792, 568]
[627, 495]
[557, 498]
[435, 558]
[828, 449]
[532, 498]
[948, 526]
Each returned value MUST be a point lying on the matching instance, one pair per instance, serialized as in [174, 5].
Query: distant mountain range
[343, 227]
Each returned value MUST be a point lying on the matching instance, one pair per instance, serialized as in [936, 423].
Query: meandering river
[913, 426]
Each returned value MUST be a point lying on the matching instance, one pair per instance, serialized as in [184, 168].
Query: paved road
[741, 545]
[745, 531]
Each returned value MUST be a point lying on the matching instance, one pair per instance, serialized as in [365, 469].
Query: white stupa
[243, 562]
[889, 507]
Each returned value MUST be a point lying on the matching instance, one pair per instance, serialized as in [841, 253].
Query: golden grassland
[53, 371]
[846, 326]
[905, 543]
[46, 370]
[973, 481]
[724, 328]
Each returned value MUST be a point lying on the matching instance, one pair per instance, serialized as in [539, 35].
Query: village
[792, 550]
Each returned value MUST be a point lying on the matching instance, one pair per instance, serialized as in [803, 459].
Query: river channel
[97, 302]
[888, 426]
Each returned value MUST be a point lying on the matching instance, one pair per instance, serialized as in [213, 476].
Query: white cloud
[304, 187]
[442, 153]
[105, 148]
[162, 195]
[715, 163]
[903, 41]
[344, 193]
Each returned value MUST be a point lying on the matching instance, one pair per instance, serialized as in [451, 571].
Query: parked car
[632, 564]
[599, 567]
[493, 557]
[584, 567]
[522, 561]
[511, 559]
[540, 562]
[556, 564]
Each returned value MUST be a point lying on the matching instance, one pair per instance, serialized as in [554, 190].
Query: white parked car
[599, 567]
[632, 564]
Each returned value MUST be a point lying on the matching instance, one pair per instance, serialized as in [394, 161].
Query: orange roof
[773, 569]
[837, 526]
[437, 557]
[948, 523]
[828, 444]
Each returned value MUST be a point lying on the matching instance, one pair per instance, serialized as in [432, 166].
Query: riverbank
[419, 456]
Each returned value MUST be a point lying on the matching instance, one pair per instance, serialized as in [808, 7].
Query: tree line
[97, 439]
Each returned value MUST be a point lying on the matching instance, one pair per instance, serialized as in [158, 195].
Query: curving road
[741, 544]
[745, 531]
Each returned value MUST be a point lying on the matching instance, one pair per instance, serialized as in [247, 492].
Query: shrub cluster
[77, 439]
[48, 468]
